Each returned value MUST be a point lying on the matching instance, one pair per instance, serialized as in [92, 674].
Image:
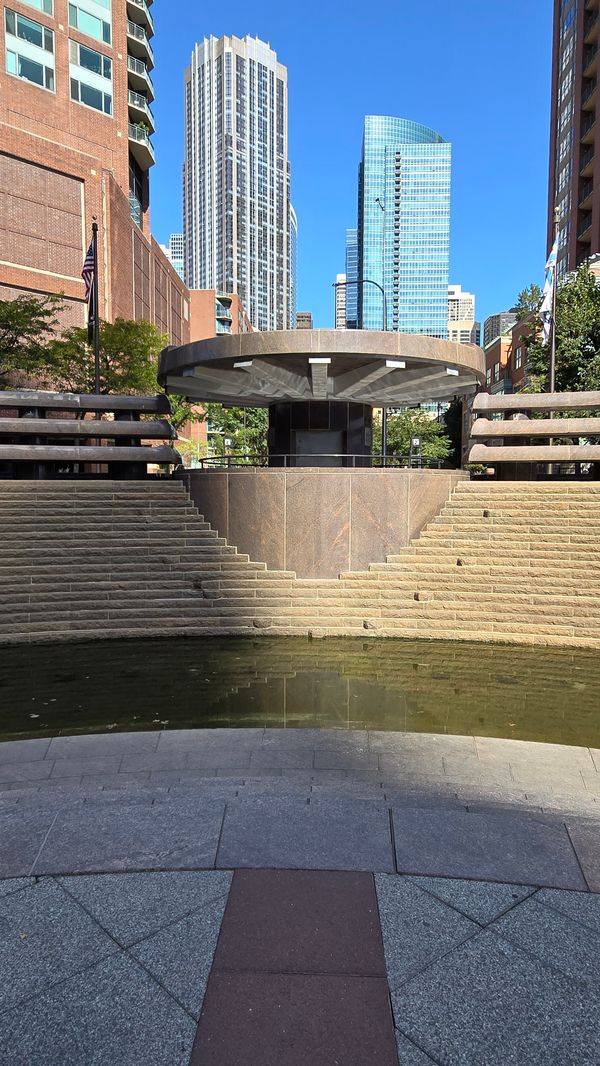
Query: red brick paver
[298, 975]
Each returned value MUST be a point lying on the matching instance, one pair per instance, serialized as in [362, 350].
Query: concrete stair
[516, 562]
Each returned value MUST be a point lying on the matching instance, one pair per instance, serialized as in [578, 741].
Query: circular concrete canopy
[359, 366]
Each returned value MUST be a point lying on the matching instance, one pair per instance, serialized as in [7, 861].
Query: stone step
[528, 488]
[554, 511]
[485, 550]
[136, 625]
[76, 527]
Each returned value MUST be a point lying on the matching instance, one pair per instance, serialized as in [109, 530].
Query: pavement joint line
[568, 832]
[44, 841]
[393, 839]
[215, 865]
[417, 1046]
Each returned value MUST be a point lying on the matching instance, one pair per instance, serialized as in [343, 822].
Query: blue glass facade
[351, 279]
[404, 227]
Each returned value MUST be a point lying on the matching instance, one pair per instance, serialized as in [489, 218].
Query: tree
[246, 427]
[453, 423]
[26, 326]
[128, 358]
[577, 337]
[528, 300]
[413, 423]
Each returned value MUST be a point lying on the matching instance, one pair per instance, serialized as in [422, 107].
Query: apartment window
[83, 19]
[496, 371]
[41, 5]
[29, 50]
[91, 78]
[518, 358]
[488, 376]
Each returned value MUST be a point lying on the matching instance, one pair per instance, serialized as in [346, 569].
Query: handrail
[290, 459]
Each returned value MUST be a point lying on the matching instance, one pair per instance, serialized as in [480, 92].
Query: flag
[545, 311]
[88, 270]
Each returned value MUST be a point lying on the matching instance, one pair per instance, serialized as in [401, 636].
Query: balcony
[138, 43]
[139, 110]
[590, 60]
[586, 162]
[587, 133]
[585, 194]
[223, 313]
[584, 226]
[587, 93]
[140, 146]
[139, 77]
[138, 11]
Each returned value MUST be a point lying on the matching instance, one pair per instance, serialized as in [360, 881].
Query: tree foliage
[453, 421]
[577, 338]
[246, 427]
[435, 444]
[26, 326]
[528, 300]
[128, 358]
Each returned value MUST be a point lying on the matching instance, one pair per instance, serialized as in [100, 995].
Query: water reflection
[486, 690]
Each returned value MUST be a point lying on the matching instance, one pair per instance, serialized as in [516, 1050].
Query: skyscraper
[351, 278]
[404, 227]
[237, 218]
[574, 185]
[340, 290]
[462, 326]
[174, 252]
[75, 136]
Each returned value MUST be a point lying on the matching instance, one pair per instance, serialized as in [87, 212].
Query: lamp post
[381, 206]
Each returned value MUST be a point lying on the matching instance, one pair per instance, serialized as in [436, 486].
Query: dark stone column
[335, 433]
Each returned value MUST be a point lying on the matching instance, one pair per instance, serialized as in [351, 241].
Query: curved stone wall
[320, 522]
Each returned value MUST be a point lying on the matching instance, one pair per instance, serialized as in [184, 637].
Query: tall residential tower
[404, 227]
[237, 217]
[574, 185]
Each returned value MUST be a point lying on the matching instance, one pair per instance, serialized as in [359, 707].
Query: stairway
[516, 562]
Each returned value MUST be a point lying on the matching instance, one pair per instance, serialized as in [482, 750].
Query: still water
[416, 686]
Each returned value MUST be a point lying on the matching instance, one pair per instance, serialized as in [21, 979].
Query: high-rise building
[75, 137]
[574, 185]
[404, 227]
[174, 252]
[293, 286]
[462, 326]
[237, 218]
[340, 289]
[351, 278]
[497, 325]
[304, 320]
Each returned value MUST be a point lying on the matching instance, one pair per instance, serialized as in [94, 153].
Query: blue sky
[477, 72]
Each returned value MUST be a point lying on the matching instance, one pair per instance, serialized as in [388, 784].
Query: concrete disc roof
[362, 366]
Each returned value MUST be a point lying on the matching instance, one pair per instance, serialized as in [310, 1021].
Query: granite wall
[319, 522]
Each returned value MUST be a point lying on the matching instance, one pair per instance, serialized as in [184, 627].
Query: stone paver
[518, 850]
[489, 1002]
[554, 939]
[482, 901]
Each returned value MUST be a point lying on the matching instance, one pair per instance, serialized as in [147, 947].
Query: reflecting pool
[545, 694]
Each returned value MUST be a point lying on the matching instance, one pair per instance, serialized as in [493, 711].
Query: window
[496, 371]
[518, 358]
[42, 5]
[488, 376]
[91, 78]
[29, 50]
[86, 22]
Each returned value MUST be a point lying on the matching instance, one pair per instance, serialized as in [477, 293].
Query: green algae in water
[523, 693]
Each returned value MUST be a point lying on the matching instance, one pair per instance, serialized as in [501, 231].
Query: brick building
[75, 125]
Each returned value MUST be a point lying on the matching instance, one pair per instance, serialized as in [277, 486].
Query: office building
[497, 325]
[174, 252]
[403, 227]
[237, 218]
[574, 183]
[351, 279]
[462, 326]
[304, 320]
[340, 291]
[75, 137]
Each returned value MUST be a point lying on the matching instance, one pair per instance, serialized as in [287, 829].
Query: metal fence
[323, 459]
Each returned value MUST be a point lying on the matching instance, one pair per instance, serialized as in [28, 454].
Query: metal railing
[334, 459]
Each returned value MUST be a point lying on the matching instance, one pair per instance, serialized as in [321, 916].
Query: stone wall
[320, 522]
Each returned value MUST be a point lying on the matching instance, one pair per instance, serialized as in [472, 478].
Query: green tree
[26, 326]
[435, 444]
[128, 358]
[453, 422]
[246, 427]
[528, 300]
[577, 338]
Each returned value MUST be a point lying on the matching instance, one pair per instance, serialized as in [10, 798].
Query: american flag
[88, 270]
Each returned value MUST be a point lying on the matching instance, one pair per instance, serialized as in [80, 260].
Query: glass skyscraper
[351, 278]
[404, 227]
[237, 218]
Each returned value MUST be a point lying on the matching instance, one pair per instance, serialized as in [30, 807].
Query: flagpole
[96, 307]
[553, 313]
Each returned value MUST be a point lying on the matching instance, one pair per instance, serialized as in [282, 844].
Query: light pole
[383, 409]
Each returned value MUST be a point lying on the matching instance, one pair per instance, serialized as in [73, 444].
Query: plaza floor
[289, 896]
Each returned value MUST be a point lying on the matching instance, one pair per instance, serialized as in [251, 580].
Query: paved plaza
[292, 896]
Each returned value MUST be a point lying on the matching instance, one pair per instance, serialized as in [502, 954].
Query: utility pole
[381, 205]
